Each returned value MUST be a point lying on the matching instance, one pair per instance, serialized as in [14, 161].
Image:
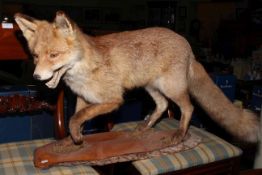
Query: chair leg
[60, 131]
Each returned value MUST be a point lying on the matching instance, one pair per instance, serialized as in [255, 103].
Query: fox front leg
[88, 113]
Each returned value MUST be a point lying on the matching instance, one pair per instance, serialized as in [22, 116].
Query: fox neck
[91, 57]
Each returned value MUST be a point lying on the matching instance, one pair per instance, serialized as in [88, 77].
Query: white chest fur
[77, 79]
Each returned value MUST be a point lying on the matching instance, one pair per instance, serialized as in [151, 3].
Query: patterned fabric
[211, 149]
[17, 159]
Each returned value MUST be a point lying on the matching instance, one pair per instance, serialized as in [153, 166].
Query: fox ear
[63, 23]
[27, 24]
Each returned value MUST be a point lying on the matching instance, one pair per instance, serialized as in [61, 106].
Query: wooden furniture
[10, 46]
[252, 172]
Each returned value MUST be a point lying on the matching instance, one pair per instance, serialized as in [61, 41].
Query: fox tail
[241, 123]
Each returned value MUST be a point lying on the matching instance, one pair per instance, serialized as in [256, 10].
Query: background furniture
[12, 49]
[10, 46]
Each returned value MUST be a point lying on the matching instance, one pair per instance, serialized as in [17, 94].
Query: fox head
[54, 46]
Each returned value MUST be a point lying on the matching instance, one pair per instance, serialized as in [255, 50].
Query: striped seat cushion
[211, 149]
[17, 159]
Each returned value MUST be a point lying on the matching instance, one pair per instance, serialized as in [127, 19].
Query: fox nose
[36, 76]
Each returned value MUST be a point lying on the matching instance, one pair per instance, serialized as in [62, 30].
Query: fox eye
[35, 55]
[53, 55]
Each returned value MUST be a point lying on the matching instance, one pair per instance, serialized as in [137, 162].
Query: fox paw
[75, 132]
[178, 136]
[77, 138]
[141, 127]
[67, 141]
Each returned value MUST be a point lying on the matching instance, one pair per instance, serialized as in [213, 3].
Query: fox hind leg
[186, 108]
[178, 93]
[161, 106]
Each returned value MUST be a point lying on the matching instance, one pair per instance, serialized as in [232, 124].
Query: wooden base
[111, 147]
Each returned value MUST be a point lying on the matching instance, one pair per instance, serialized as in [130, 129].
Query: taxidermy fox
[99, 70]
